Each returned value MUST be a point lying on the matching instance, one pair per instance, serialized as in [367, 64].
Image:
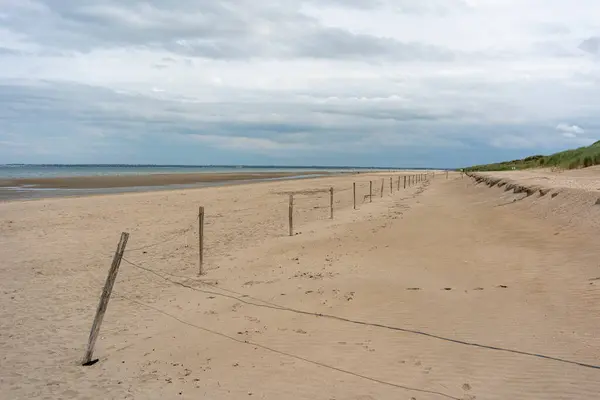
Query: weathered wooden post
[398, 183]
[404, 181]
[370, 191]
[354, 193]
[382, 183]
[291, 214]
[331, 202]
[200, 240]
[391, 186]
[104, 298]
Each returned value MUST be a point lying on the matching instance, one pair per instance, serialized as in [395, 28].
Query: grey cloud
[591, 45]
[336, 43]
[76, 109]
[552, 28]
[9, 52]
[209, 29]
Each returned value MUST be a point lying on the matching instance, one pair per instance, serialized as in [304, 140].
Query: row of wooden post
[411, 180]
[114, 268]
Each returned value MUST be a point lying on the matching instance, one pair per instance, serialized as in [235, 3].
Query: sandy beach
[446, 289]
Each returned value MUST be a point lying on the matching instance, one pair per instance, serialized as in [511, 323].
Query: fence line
[119, 255]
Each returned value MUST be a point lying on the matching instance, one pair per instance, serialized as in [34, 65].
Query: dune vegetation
[581, 157]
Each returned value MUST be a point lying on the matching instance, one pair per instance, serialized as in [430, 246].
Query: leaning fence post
[354, 193]
[200, 240]
[382, 183]
[331, 202]
[370, 191]
[291, 215]
[106, 291]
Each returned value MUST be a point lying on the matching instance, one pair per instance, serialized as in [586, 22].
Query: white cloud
[570, 131]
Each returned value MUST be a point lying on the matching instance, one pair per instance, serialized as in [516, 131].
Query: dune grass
[569, 159]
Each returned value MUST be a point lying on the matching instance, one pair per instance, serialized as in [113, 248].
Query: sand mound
[570, 206]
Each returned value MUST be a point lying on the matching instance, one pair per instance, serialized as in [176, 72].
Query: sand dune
[445, 290]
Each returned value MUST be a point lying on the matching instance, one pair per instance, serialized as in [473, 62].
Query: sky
[427, 83]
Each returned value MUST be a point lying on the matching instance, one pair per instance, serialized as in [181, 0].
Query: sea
[29, 192]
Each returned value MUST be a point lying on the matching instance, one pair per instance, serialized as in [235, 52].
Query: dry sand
[445, 290]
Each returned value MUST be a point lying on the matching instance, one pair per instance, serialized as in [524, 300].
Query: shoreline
[40, 188]
[122, 181]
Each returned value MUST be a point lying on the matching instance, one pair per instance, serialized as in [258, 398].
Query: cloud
[436, 82]
[570, 131]
[591, 45]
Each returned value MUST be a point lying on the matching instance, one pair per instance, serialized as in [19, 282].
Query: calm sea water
[50, 171]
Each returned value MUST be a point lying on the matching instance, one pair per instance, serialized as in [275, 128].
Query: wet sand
[41, 188]
[119, 181]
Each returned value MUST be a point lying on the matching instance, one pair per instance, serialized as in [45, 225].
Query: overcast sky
[439, 83]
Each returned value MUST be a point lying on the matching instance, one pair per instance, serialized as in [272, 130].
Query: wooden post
[446, 174]
[291, 215]
[398, 183]
[354, 193]
[382, 183]
[106, 291]
[370, 191]
[404, 181]
[331, 202]
[391, 187]
[200, 240]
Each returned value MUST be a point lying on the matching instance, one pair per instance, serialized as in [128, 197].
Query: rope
[357, 322]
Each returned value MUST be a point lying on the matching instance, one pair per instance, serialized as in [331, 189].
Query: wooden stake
[404, 181]
[354, 193]
[382, 183]
[370, 191]
[331, 202]
[391, 187]
[108, 286]
[291, 215]
[200, 240]
[398, 183]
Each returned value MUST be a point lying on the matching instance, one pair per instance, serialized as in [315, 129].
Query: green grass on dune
[568, 159]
